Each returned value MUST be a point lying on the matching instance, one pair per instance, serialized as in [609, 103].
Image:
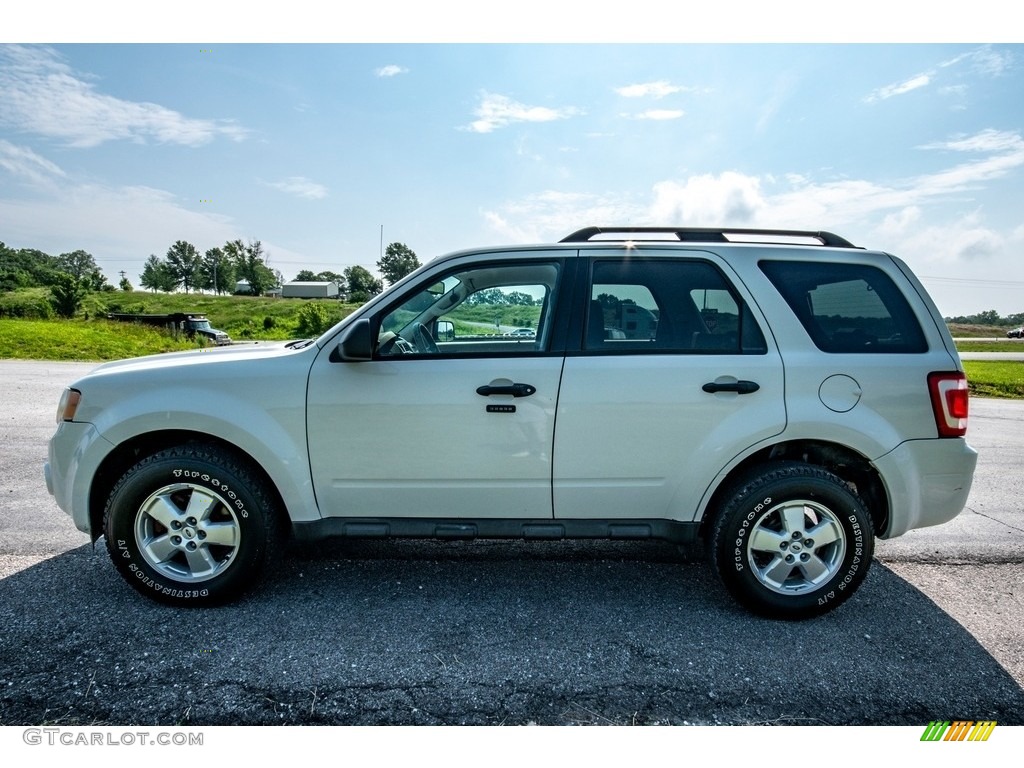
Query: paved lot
[407, 632]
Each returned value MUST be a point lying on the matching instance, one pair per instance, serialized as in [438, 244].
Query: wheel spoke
[793, 519]
[159, 549]
[815, 569]
[163, 511]
[766, 540]
[224, 534]
[824, 533]
[200, 505]
[777, 571]
[200, 561]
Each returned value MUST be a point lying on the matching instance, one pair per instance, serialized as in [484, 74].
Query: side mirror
[444, 330]
[356, 344]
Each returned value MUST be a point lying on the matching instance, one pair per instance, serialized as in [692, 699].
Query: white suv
[782, 397]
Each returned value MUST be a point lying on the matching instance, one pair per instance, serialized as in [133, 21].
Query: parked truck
[189, 323]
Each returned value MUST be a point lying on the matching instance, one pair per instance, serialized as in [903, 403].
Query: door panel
[638, 437]
[454, 415]
[412, 438]
[674, 379]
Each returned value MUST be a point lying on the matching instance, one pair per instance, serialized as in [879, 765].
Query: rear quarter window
[847, 308]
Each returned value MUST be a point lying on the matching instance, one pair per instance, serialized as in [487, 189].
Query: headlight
[68, 404]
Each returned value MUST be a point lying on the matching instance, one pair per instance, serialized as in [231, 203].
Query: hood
[260, 350]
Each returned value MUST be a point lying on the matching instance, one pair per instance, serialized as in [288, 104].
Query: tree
[306, 276]
[78, 264]
[251, 265]
[24, 268]
[183, 263]
[125, 285]
[331, 277]
[66, 294]
[216, 271]
[397, 262]
[156, 275]
[362, 285]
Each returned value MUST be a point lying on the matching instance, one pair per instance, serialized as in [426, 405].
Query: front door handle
[741, 387]
[516, 390]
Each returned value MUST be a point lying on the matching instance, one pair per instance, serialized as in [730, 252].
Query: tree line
[71, 276]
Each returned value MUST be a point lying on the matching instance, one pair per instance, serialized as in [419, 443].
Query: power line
[973, 281]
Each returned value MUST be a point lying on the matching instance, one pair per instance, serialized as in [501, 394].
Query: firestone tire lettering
[192, 525]
[791, 541]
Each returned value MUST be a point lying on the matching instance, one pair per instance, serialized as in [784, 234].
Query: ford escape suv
[780, 397]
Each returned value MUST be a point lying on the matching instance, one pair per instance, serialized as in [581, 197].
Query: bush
[26, 305]
[313, 320]
[269, 323]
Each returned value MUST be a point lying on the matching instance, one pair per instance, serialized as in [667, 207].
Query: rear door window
[663, 305]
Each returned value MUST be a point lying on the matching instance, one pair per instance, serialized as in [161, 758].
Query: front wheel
[792, 541]
[192, 525]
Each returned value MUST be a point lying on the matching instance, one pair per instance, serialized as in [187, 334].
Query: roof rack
[712, 235]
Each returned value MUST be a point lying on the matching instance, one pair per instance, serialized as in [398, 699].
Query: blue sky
[121, 149]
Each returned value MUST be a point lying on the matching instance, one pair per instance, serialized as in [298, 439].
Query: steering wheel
[423, 340]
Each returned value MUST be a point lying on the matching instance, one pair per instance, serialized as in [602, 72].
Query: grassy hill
[28, 329]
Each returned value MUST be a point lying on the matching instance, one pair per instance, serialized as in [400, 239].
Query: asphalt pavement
[505, 632]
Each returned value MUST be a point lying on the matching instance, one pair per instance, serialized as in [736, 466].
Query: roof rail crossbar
[709, 234]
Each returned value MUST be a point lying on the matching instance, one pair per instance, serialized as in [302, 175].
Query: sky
[325, 150]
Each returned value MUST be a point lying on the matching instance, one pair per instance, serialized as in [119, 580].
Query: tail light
[949, 402]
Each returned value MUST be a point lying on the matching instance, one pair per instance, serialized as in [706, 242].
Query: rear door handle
[741, 387]
[516, 390]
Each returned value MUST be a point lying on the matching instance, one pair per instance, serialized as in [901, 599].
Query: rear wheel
[192, 525]
[792, 541]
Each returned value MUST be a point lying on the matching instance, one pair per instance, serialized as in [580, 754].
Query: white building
[302, 289]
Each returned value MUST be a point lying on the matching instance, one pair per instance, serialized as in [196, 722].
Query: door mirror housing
[356, 344]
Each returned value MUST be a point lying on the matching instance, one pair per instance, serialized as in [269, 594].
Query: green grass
[995, 378]
[241, 317]
[78, 340]
[1006, 345]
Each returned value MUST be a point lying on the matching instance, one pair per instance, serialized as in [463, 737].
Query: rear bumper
[928, 482]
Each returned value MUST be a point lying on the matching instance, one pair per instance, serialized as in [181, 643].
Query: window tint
[492, 309]
[667, 305]
[847, 307]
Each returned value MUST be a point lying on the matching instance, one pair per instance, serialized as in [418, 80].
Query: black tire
[791, 541]
[192, 525]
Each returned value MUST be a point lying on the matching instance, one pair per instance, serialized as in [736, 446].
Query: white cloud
[551, 215]
[788, 200]
[24, 163]
[497, 111]
[898, 89]
[658, 89]
[40, 94]
[657, 114]
[300, 186]
[390, 71]
[988, 140]
[984, 60]
[730, 199]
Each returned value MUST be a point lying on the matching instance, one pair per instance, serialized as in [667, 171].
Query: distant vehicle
[1016, 333]
[525, 332]
[189, 323]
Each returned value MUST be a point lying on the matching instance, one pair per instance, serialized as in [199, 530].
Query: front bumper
[75, 453]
